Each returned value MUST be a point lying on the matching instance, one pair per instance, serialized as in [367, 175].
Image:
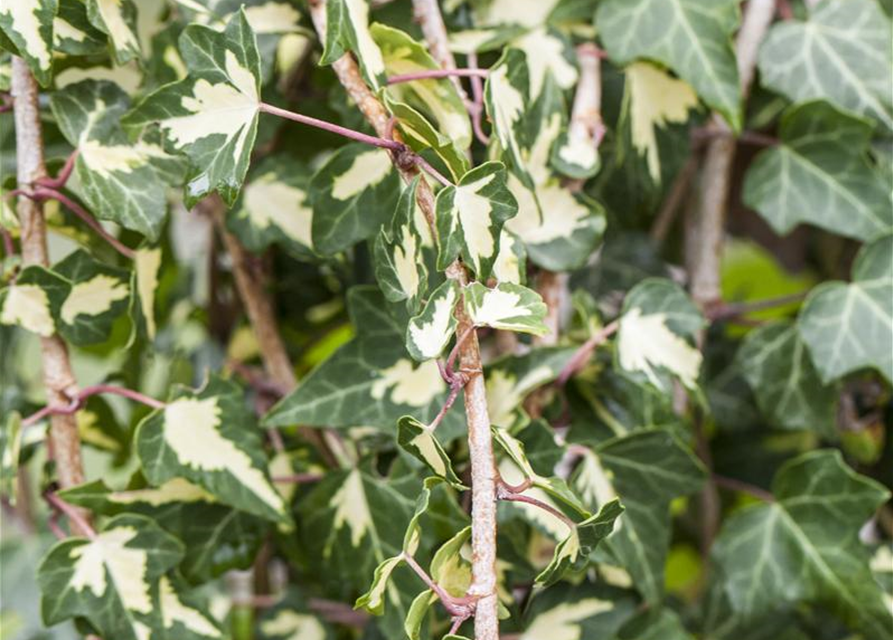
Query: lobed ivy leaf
[692, 37]
[353, 195]
[840, 54]
[848, 327]
[118, 19]
[208, 437]
[119, 180]
[28, 26]
[211, 115]
[804, 548]
[820, 175]
[429, 332]
[470, 216]
[507, 306]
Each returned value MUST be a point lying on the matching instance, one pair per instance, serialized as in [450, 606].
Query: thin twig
[435, 74]
[71, 513]
[582, 355]
[458, 607]
[77, 401]
[434, 173]
[64, 174]
[476, 108]
[725, 310]
[663, 222]
[383, 143]
[503, 493]
[744, 487]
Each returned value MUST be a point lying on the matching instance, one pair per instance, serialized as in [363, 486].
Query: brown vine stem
[483, 466]
[77, 401]
[665, 218]
[58, 379]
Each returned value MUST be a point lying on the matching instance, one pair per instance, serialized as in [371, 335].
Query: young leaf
[429, 333]
[470, 216]
[840, 54]
[820, 175]
[421, 443]
[353, 195]
[506, 306]
[117, 18]
[848, 327]
[805, 546]
[28, 24]
[692, 37]
[212, 114]
[208, 437]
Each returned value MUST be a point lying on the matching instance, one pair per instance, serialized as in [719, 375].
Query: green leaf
[29, 26]
[787, 386]
[841, 54]
[820, 175]
[212, 114]
[285, 622]
[274, 208]
[421, 135]
[72, 32]
[353, 195]
[470, 216]
[848, 327]
[804, 548]
[658, 323]
[399, 264]
[10, 453]
[438, 99]
[370, 381]
[692, 37]
[117, 582]
[347, 29]
[429, 333]
[191, 439]
[506, 96]
[119, 180]
[506, 306]
[577, 612]
[117, 18]
[419, 440]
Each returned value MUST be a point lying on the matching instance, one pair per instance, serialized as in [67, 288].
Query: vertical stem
[57, 376]
[483, 466]
[427, 14]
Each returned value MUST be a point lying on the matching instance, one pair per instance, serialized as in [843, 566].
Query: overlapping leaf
[117, 18]
[506, 306]
[420, 441]
[820, 175]
[399, 264]
[511, 379]
[73, 33]
[347, 29]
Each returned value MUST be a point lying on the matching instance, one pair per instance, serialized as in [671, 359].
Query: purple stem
[585, 352]
[477, 107]
[78, 401]
[731, 310]
[433, 74]
[434, 173]
[71, 513]
[517, 497]
[8, 245]
[59, 181]
[392, 145]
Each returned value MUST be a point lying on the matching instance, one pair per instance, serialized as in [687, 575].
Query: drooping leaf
[840, 54]
[804, 548]
[420, 441]
[848, 327]
[692, 37]
[120, 181]
[820, 175]
[785, 382]
[212, 114]
[28, 24]
[117, 18]
[506, 306]
[209, 437]
[470, 216]
[353, 195]
[428, 333]
[347, 29]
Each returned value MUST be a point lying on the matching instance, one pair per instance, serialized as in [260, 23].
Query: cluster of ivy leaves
[161, 100]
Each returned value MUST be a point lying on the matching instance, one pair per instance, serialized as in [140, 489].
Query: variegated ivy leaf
[653, 98]
[28, 24]
[117, 581]
[506, 96]
[438, 99]
[848, 327]
[511, 263]
[787, 386]
[10, 452]
[285, 622]
[470, 216]
[421, 135]
[657, 326]
[511, 379]
[547, 54]
[428, 333]
[399, 264]
[72, 32]
[805, 548]
[211, 115]
[209, 437]
[274, 208]
[506, 306]
[649, 468]
[820, 175]
[692, 37]
[840, 54]
[419, 440]
[482, 40]
[506, 12]
[577, 612]
[353, 195]
[117, 18]
[143, 284]
[119, 180]
[347, 29]
[79, 297]
[370, 381]
[217, 538]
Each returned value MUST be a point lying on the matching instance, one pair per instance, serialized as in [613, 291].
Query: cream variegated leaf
[421, 135]
[209, 437]
[73, 33]
[511, 263]
[347, 29]
[506, 96]
[654, 99]
[212, 114]
[399, 260]
[470, 216]
[143, 284]
[27, 305]
[118, 19]
[577, 611]
[547, 54]
[420, 441]
[28, 24]
[507, 306]
[285, 622]
[429, 333]
[511, 379]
